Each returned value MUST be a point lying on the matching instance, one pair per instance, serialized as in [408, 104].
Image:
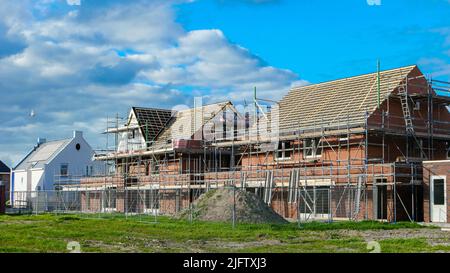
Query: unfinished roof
[43, 154]
[332, 103]
[183, 124]
[4, 168]
[152, 121]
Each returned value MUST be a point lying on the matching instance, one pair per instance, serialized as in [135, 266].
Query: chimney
[77, 134]
[41, 141]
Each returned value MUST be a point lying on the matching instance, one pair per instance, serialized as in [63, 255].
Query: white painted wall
[77, 161]
[20, 181]
[37, 179]
[125, 143]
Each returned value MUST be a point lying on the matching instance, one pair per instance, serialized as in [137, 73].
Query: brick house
[5, 176]
[351, 148]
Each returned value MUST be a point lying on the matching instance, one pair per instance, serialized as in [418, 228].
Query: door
[380, 206]
[438, 199]
[382, 202]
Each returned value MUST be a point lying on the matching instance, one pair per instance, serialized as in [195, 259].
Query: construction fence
[301, 204]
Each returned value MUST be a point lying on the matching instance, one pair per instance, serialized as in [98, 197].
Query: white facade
[53, 162]
[130, 137]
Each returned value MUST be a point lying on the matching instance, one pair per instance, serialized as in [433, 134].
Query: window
[110, 198]
[284, 150]
[311, 147]
[131, 181]
[154, 166]
[64, 170]
[151, 199]
[132, 134]
[315, 200]
[88, 200]
[438, 192]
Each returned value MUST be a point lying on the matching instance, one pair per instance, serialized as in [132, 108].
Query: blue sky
[75, 62]
[322, 40]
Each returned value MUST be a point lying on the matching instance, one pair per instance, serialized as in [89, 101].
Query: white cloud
[78, 67]
[206, 58]
[74, 2]
[437, 66]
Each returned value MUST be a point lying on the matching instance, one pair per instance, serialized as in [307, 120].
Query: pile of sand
[217, 205]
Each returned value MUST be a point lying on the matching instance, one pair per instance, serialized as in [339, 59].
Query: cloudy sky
[76, 62]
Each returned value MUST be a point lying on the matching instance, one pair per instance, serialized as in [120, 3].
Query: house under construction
[351, 148]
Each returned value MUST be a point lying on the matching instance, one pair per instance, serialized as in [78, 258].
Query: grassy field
[51, 233]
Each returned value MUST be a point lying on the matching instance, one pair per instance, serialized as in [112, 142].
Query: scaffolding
[320, 168]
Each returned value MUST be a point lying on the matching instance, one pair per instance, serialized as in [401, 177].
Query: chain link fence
[300, 204]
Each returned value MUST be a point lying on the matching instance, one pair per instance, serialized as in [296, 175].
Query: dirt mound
[217, 205]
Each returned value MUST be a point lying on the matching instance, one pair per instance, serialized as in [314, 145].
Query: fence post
[234, 207]
[2, 198]
[330, 208]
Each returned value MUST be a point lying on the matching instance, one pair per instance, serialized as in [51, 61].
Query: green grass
[116, 233]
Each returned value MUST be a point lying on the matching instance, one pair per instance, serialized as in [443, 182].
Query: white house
[52, 163]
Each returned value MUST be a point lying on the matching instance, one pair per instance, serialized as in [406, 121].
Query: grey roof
[330, 103]
[42, 154]
[4, 168]
[152, 121]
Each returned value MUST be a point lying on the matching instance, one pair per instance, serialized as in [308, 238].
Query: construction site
[347, 149]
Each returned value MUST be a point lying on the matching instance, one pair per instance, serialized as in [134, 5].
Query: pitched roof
[329, 103]
[42, 154]
[152, 120]
[182, 125]
[4, 168]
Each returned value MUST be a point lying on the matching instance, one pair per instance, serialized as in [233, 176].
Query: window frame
[316, 150]
[66, 165]
[283, 150]
[107, 202]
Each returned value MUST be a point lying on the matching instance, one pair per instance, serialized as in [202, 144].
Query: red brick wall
[395, 120]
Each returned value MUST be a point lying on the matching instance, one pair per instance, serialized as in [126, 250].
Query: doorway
[438, 199]
[380, 199]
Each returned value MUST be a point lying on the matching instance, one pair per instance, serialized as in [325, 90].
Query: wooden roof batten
[340, 101]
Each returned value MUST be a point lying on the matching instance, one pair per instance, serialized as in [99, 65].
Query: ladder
[405, 108]
[293, 186]
[403, 93]
[358, 193]
[268, 184]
